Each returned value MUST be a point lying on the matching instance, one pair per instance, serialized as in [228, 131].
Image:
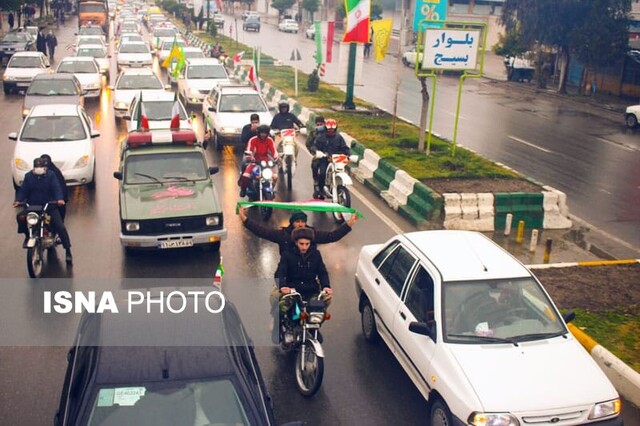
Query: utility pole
[208, 10]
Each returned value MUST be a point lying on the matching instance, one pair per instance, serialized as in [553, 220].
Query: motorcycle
[261, 187]
[337, 181]
[41, 238]
[300, 331]
[289, 153]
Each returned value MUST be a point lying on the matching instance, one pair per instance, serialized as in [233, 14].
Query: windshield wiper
[181, 178]
[33, 139]
[484, 338]
[153, 178]
[535, 336]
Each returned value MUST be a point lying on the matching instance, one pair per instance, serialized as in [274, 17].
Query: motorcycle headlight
[493, 419]
[82, 162]
[605, 409]
[21, 164]
[267, 174]
[270, 163]
[263, 163]
[212, 221]
[33, 218]
[132, 226]
[316, 318]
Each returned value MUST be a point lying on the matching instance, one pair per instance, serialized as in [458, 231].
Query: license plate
[175, 244]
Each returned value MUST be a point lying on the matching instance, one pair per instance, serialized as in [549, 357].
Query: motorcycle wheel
[265, 212]
[289, 162]
[344, 199]
[35, 261]
[309, 377]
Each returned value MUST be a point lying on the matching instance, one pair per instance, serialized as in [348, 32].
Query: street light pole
[208, 8]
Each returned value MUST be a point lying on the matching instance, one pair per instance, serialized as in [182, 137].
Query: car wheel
[632, 120]
[92, 184]
[440, 414]
[217, 145]
[6, 90]
[368, 322]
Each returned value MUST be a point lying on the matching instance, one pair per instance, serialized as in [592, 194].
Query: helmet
[282, 105]
[263, 129]
[306, 233]
[332, 126]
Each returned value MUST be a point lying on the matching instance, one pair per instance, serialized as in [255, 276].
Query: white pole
[507, 224]
[534, 241]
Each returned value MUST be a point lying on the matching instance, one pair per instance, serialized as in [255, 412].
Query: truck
[94, 12]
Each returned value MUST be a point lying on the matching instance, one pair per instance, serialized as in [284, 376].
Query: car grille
[175, 225]
[204, 92]
[551, 419]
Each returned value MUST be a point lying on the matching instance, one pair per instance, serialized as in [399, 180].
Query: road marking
[616, 144]
[529, 144]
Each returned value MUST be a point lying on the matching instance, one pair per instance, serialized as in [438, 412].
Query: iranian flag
[143, 120]
[237, 57]
[358, 12]
[175, 114]
[311, 205]
[253, 72]
[324, 41]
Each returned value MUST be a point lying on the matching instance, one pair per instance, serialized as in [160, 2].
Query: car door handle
[404, 317]
[377, 281]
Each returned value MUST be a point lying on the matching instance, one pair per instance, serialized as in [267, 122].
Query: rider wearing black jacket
[285, 119]
[330, 142]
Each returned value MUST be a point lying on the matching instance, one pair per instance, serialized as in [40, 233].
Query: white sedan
[22, 68]
[166, 46]
[288, 26]
[129, 84]
[86, 70]
[134, 54]
[65, 132]
[477, 333]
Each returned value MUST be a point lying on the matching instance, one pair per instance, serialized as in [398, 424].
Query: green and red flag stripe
[358, 13]
[312, 205]
[324, 41]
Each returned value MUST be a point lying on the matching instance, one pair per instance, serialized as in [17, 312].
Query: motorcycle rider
[303, 270]
[310, 142]
[298, 219]
[262, 148]
[250, 130]
[63, 184]
[330, 142]
[284, 120]
[39, 187]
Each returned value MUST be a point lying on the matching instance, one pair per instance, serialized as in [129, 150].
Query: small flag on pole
[237, 57]
[217, 279]
[175, 113]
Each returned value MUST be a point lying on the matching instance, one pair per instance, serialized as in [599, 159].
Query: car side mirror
[13, 136]
[167, 87]
[117, 175]
[212, 108]
[569, 316]
[424, 329]
[213, 170]
[95, 134]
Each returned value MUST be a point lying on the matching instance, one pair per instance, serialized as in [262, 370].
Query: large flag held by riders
[324, 41]
[358, 13]
[311, 205]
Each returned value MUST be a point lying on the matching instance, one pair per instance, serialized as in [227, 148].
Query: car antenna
[165, 367]
[484, 267]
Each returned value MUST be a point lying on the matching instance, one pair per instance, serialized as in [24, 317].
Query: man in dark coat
[11, 20]
[63, 184]
[298, 219]
[51, 42]
[41, 42]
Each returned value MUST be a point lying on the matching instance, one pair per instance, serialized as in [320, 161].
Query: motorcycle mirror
[303, 131]
[214, 170]
[117, 175]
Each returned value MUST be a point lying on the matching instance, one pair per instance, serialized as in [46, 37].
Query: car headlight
[493, 419]
[605, 409]
[33, 218]
[267, 174]
[82, 162]
[212, 221]
[132, 226]
[8, 78]
[229, 130]
[121, 105]
[25, 111]
[22, 165]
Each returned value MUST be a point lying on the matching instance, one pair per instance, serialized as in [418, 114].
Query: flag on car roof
[238, 57]
[175, 53]
[324, 41]
[358, 13]
[143, 120]
[175, 113]
[253, 71]
[381, 34]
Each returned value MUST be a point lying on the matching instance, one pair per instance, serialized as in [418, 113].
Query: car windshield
[15, 37]
[171, 403]
[25, 62]
[164, 32]
[160, 110]
[249, 102]
[193, 54]
[79, 67]
[512, 309]
[91, 8]
[89, 40]
[92, 52]
[253, 20]
[52, 87]
[133, 48]
[167, 45]
[53, 129]
[206, 71]
[91, 31]
[165, 167]
[136, 82]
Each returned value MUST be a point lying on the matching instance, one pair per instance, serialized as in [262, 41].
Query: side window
[384, 253]
[420, 296]
[396, 268]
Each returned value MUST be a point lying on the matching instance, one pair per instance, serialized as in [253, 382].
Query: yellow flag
[381, 36]
[175, 53]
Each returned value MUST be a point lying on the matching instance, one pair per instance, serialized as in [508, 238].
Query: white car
[129, 84]
[632, 115]
[200, 75]
[190, 52]
[288, 26]
[134, 54]
[21, 69]
[86, 70]
[166, 46]
[99, 53]
[161, 34]
[477, 334]
[158, 107]
[125, 38]
[65, 133]
[409, 57]
[227, 109]
[89, 39]
[91, 30]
